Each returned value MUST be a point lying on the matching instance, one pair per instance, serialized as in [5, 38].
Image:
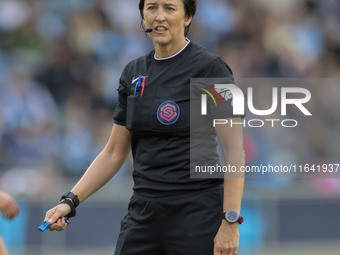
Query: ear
[187, 21]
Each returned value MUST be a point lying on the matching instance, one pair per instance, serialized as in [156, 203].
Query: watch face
[231, 215]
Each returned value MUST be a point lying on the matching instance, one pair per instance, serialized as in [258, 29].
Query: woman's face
[167, 19]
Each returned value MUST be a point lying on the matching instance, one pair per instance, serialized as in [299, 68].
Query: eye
[170, 8]
[151, 8]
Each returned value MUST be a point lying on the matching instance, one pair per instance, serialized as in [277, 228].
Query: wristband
[72, 196]
[73, 208]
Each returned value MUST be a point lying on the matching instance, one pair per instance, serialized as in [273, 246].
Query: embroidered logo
[168, 112]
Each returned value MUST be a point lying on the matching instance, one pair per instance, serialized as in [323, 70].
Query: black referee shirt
[159, 120]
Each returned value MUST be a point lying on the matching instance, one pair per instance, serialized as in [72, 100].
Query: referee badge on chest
[168, 112]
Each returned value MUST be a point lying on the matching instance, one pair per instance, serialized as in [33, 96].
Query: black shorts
[178, 225]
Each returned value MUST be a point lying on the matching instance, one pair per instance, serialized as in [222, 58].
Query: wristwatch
[73, 197]
[232, 216]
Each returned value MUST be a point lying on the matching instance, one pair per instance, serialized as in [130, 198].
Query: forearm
[227, 238]
[231, 141]
[234, 182]
[102, 169]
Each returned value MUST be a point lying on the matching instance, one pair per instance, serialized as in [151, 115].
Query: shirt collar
[188, 41]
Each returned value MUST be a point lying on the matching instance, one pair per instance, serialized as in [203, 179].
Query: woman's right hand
[56, 217]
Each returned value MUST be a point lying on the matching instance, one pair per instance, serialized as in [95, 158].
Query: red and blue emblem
[168, 112]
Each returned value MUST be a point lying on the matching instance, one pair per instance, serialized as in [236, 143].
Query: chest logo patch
[168, 112]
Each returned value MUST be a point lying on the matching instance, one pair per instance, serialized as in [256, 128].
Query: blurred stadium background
[60, 63]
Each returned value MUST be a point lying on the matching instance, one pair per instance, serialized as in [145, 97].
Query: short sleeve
[223, 106]
[120, 111]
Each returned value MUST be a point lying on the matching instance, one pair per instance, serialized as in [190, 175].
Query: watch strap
[72, 196]
[71, 205]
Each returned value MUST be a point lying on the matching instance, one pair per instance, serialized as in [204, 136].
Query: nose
[160, 15]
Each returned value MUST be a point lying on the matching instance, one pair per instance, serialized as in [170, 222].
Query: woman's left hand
[227, 239]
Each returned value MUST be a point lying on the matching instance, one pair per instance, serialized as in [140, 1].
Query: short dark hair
[190, 7]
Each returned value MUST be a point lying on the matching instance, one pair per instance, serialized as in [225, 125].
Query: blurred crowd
[60, 63]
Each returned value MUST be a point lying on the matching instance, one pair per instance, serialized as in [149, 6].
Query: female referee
[169, 212]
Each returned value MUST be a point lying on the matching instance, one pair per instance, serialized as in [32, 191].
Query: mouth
[160, 29]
